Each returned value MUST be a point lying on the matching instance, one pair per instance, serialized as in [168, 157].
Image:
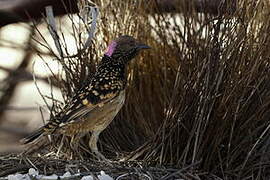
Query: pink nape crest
[111, 48]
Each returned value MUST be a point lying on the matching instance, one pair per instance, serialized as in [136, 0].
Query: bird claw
[101, 157]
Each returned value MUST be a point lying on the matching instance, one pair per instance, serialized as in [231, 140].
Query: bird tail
[35, 141]
[33, 136]
[39, 138]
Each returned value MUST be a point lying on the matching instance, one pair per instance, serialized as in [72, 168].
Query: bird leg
[74, 143]
[93, 145]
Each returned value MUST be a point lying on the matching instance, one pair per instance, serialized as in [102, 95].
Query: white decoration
[87, 178]
[32, 172]
[104, 176]
[67, 174]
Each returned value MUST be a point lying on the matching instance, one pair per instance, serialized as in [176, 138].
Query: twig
[18, 108]
[38, 89]
[136, 173]
[31, 163]
[53, 30]
[181, 170]
[94, 12]
[254, 146]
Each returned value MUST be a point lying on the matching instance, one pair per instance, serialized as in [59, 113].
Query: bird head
[125, 48]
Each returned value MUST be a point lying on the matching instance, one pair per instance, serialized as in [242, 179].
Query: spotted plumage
[96, 104]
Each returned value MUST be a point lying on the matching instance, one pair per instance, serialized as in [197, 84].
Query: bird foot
[101, 157]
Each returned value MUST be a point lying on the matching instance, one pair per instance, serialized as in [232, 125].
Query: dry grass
[202, 94]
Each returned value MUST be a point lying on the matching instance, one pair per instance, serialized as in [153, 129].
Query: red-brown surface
[22, 10]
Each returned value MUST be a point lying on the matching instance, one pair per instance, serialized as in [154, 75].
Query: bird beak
[143, 46]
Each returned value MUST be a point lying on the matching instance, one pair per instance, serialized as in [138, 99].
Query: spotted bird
[96, 104]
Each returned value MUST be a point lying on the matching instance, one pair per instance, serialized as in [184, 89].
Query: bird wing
[106, 84]
[87, 105]
[95, 95]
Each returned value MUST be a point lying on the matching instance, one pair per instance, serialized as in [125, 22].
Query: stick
[53, 30]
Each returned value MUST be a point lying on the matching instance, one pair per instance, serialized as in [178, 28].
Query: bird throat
[111, 49]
